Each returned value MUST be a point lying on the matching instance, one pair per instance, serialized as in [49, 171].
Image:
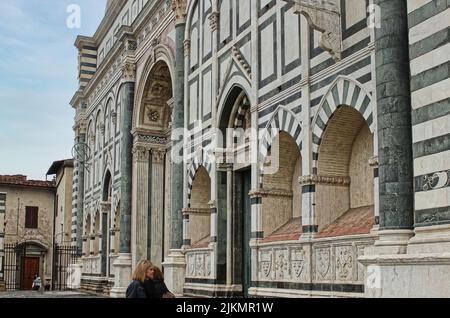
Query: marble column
[394, 127]
[141, 155]
[175, 263]
[221, 225]
[123, 264]
[178, 123]
[157, 207]
[77, 212]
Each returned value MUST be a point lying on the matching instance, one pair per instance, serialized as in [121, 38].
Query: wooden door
[30, 270]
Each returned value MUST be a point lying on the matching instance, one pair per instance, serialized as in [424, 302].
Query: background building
[28, 234]
[63, 172]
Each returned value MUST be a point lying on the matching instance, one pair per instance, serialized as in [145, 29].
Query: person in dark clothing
[137, 287]
[155, 286]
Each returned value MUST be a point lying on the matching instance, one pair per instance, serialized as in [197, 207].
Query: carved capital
[373, 162]
[141, 153]
[214, 21]
[187, 47]
[158, 155]
[102, 129]
[114, 118]
[130, 44]
[325, 180]
[323, 16]
[80, 128]
[179, 7]
[128, 72]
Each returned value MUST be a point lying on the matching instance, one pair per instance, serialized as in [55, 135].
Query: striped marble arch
[344, 91]
[200, 159]
[282, 120]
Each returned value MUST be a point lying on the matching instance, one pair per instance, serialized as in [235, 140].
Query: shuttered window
[31, 217]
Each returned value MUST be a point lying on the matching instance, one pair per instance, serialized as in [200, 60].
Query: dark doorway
[30, 271]
[242, 230]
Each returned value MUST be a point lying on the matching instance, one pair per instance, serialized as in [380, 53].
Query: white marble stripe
[431, 129]
[432, 163]
[317, 131]
[430, 60]
[429, 27]
[432, 199]
[359, 101]
[331, 103]
[340, 86]
[315, 148]
[431, 94]
[351, 89]
[413, 5]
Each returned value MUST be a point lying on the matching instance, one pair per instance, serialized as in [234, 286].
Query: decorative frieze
[152, 139]
[199, 263]
[436, 181]
[322, 261]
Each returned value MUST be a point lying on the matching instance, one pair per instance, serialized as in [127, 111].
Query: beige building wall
[17, 199]
[63, 220]
[283, 192]
[361, 186]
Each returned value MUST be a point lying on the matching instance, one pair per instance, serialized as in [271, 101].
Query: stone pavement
[53, 294]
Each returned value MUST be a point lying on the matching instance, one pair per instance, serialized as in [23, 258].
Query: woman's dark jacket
[155, 288]
[136, 290]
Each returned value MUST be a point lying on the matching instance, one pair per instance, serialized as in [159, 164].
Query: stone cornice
[325, 180]
[270, 193]
[196, 211]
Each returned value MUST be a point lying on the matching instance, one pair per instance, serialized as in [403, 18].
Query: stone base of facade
[122, 267]
[422, 271]
[407, 276]
[175, 271]
[99, 285]
[2, 286]
[209, 290]
[297, 293]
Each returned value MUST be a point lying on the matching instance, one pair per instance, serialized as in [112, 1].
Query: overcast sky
[38, 77]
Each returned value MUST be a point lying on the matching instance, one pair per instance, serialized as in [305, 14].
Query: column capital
[180, 9]
[373, 162]
[80, 128]
[214, 20]
[128, 71]
[141, 153]
[158, 155]
[114, 117]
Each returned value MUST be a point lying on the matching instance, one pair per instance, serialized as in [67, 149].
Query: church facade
[265, 147]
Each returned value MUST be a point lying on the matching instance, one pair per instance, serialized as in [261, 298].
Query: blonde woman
[136, 288]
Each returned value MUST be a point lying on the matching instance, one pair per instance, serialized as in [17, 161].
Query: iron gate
[63, 258]
[12, 266]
